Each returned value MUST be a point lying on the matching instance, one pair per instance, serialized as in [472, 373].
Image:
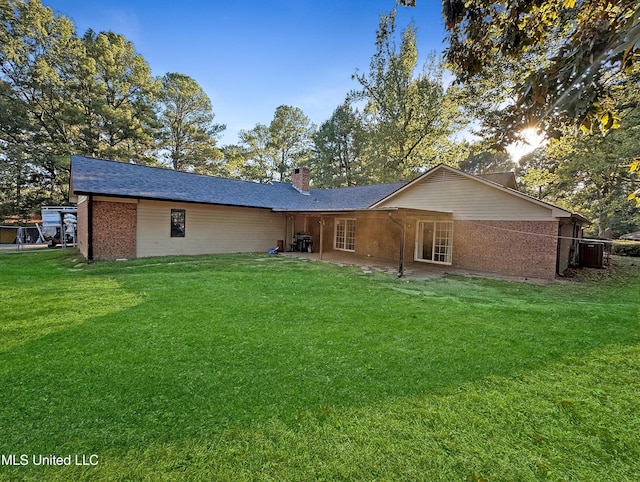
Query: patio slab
[412, 270]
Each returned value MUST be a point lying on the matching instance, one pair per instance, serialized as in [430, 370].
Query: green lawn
[248, 367]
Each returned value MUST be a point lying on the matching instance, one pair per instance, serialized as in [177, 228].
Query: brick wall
[301, 178]
[526, 249]
[517, 248]
[114, 230]
[376, 235]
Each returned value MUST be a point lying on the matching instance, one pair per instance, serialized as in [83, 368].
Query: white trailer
[59, 225]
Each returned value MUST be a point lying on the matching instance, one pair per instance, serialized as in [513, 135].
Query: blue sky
[252, 56]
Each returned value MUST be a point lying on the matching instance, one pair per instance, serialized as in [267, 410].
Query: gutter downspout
[402, 230]
[558, 248]
[321, 236]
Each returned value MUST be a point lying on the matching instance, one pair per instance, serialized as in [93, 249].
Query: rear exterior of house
[491, 228]
[444, 217]
[450, 218]
[123, 228]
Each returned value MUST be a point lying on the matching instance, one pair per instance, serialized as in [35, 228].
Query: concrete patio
[412, 269]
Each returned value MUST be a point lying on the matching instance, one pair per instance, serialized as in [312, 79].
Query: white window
[345, 239]
[434, 241]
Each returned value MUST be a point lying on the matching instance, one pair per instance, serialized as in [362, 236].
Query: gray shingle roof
[505, 179]
[111, 178]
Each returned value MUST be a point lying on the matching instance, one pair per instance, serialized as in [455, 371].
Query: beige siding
[83, 225]
[466, 198]
[208, 229]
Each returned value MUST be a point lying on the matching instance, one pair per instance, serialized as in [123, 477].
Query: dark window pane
[177, 223]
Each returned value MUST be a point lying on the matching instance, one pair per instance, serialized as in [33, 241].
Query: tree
[536, 182]
[339, 149]
[92, 95]
[18, 192]
[589, 174]
[260, 154]
[117, 94]
[38, 55]
[14, 168]
[234, 163]
[271, 151]
[406, 115]
[485, 162]
[538, 176]
[594, 174]
[188, 134]
[565, 59]
[290, 134]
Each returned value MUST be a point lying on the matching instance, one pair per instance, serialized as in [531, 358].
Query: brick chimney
[300, 178]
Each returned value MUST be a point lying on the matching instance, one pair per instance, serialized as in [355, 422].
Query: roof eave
[329, 211]
[150, 198]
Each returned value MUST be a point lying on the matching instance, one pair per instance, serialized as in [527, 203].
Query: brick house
[444, 217]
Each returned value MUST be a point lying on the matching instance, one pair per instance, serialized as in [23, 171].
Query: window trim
[346, 237]
[448, 246]
[173, 223]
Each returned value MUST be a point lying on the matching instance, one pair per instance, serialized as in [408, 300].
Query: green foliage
[234, 163]
[92, 95]
[260, 155]
[338, 157]
[634, 166]
[273, 150]
[485, 162]
[537, 173]
[408, 117]
[594, 176]
[117, 95]
[626, 248]
[536, 180]
[62, 94]
[290, 135]
[188, 133]
[38, 55]
[590, 172]
[555, 59]
[20, 191]
[202, 368]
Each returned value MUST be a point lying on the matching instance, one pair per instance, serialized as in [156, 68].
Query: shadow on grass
[217, 342]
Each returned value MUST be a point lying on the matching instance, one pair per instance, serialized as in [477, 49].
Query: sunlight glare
[533, 141]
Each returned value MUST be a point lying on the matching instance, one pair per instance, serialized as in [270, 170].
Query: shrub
[626, 248]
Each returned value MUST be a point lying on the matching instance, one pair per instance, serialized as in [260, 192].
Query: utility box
[591, 254]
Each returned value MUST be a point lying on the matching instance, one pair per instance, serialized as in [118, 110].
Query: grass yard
[255, 368]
